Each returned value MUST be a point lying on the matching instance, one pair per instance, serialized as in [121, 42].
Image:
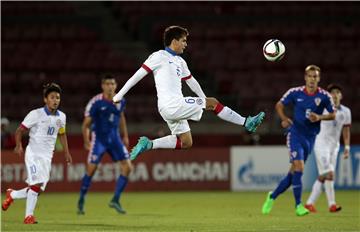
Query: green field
[183, 211]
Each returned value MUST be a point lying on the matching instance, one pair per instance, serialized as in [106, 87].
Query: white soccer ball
[274, 50]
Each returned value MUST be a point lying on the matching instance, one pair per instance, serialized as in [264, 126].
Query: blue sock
[85, 184]
[120, 186]
[297, 187]
[283, 185]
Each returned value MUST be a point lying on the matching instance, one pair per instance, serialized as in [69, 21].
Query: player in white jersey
[44, 124]
[169, 70]
[326, 150]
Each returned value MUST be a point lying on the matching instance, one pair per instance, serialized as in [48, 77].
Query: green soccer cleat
[268, 204]
[301, 210]
[117, 206]
[251, 123]
[144, 144]
[80, 206]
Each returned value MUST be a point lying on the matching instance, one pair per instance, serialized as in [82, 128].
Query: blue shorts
[115, 148]
[300, 146]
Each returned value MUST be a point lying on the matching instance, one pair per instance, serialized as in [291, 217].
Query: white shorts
[326, 157]
[38, 168]
[190, 108]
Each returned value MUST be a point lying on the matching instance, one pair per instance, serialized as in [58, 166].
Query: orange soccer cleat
[7, 202]
[334, 208]
[30, 220]
[311, 208]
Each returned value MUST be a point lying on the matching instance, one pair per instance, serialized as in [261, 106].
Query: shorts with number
[300, 146]
[326, 157]
[114, 147]
[190, 108]
[38, 168]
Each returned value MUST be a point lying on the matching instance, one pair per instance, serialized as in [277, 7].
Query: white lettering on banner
[345, 172]
[140, 173]
[105, 172]
[57, 172]
[193, 171]
[13, 173]
[75, 172]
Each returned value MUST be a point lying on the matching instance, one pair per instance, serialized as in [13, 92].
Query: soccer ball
[274, 50]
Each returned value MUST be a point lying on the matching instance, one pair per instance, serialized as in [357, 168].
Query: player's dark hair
[174, 32]
[332, 86]
[107, 76]
[312, 67]
[51, 87]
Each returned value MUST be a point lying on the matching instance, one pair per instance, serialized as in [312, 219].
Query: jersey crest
[317, 101]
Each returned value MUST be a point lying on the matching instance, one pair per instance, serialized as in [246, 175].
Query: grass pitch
[183, 211]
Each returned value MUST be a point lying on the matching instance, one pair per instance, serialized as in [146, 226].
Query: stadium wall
[241, 168]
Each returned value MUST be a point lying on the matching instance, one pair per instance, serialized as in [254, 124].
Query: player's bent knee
[330, 176]
[186, 145]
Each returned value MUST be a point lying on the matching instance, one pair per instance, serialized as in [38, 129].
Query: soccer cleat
[117, 207]
[334, 208]
[30, 220]
[80, 206]
[311, 208]
[144, 144]
[7, 202]
[268, 204]
[251, 123]
[301, 210]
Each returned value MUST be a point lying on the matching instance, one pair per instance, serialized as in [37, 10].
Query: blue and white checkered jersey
[305, 103]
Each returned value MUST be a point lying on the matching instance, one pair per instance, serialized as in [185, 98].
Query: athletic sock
[227, 114]
[19, 194]
[315, 193]
[283, 185]
[330, 192]
[120, 186]
[32, 196]
[170, 141]
[297, 187]
[85, 184]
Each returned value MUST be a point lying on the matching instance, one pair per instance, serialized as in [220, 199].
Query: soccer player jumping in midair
[169, 69]
[309, 102]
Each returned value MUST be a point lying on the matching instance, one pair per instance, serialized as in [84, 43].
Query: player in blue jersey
[309, 102]
[103, 119]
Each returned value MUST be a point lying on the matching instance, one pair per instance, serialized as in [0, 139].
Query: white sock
[165, 142]
[229, 115]
[330, 192]
[19, 194]
[31, 200]
[315, 193]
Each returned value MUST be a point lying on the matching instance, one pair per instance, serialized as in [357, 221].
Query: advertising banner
[160, 170]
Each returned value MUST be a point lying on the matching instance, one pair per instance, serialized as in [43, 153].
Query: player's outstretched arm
[140, 74]
[195, 87]
[285, 120]
[313, 117]
[85, 129]
[123, 130]
[20, 131]
[64, 142]
[346, 137]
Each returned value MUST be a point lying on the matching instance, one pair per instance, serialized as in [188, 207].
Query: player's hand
[19, 150]
[314, 117]
[286, 123]
[117, 98]
[346, 154]
[68, 158]
[87, 145]
[126, 141]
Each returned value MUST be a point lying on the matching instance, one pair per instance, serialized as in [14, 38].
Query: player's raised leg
[225, 113]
